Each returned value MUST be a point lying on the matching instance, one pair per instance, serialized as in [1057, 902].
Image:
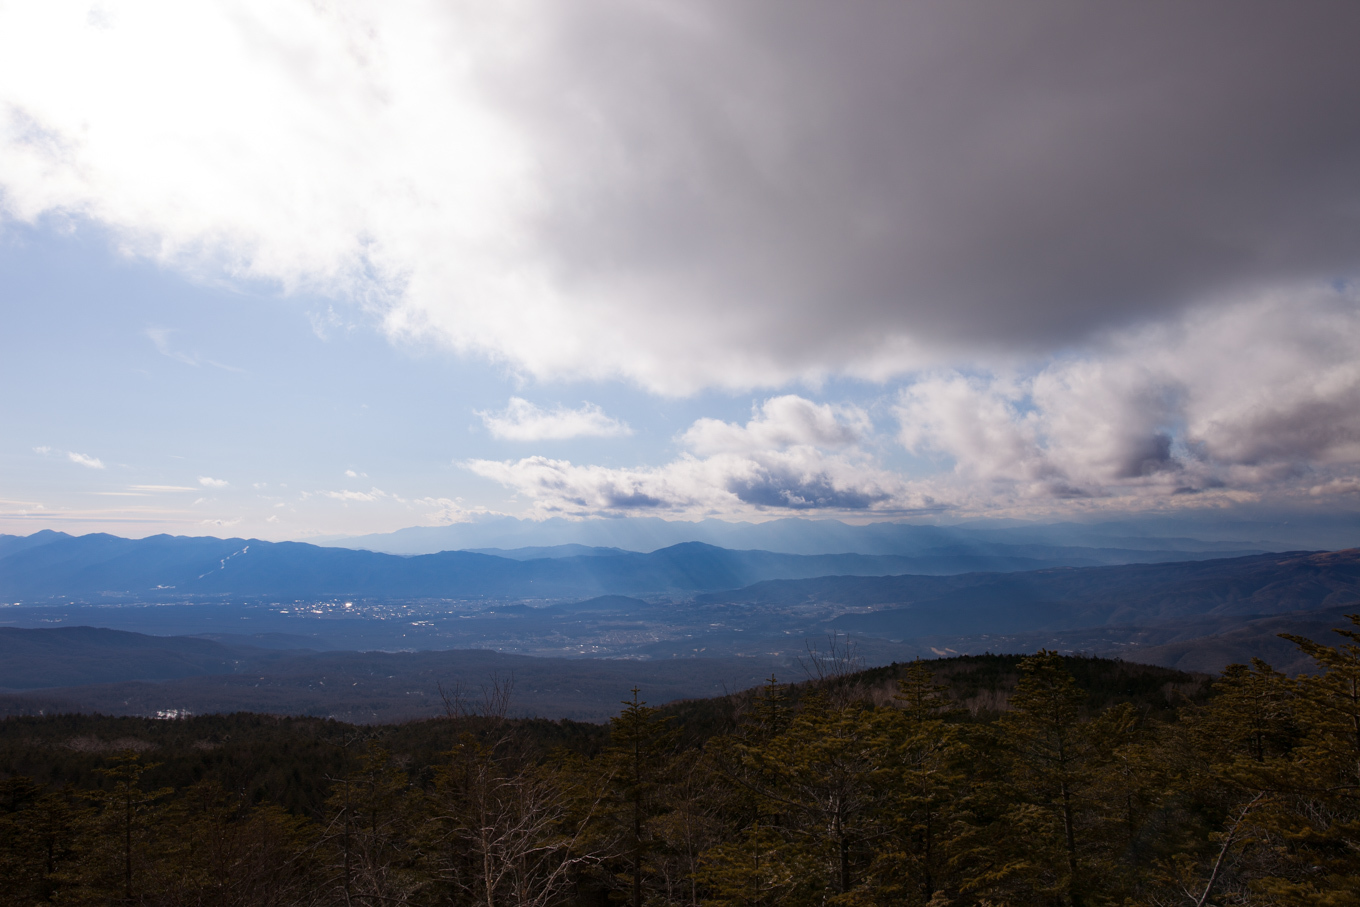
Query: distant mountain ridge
[52, 565]
[534, 552]
[794, 535]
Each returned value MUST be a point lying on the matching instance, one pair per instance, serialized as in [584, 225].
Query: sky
[296, 269]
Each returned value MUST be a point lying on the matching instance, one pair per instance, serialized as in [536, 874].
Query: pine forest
[1043, 780]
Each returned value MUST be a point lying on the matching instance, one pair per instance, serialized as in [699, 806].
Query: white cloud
[161, 488]
[778, 423]
[71, 456]
[794, 455]
[799, 480]
[210, 482]
[1258, 397]
[523, 421]
[443, 511]
[375, 494]
[687, 197]
[160, 337]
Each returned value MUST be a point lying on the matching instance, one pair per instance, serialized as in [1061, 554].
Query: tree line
[810, 794]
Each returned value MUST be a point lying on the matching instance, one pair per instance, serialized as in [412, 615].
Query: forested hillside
[986, 779]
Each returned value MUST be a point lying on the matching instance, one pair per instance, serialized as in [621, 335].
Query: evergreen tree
[821, 785]
[638, 763]
[1314, 822]
[226, 852]
[1050, 754]
[38, 830]
[368, 834]
[117, 849]
[926, 792]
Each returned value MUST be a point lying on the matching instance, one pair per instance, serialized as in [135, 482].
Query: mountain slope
[910, 606]
[67, 656]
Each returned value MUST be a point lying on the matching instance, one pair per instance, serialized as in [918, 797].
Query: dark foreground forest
[985, 779]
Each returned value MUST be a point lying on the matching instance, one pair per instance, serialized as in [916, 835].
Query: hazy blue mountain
[104, 567]
[1099, 543]
[13, 544]
[541, 551]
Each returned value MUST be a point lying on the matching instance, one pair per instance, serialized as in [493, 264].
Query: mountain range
[50, 565]
[1191, 614]
[1186, 533]
[56, 566]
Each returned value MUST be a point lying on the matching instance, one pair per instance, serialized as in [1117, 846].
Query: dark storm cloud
[820, 178]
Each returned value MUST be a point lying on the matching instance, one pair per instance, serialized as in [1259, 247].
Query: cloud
[451, 510]
[778, 423]
[1260, 397]
[523, 421]
[209, 482]
[794, 455]
[161, 338]
[723, 485]
[161, 488]
[375, 494]
[71, 456]
[1347, 485]
[83, 460]
[690, 197]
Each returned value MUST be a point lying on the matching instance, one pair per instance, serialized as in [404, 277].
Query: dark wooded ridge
[984, 779]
